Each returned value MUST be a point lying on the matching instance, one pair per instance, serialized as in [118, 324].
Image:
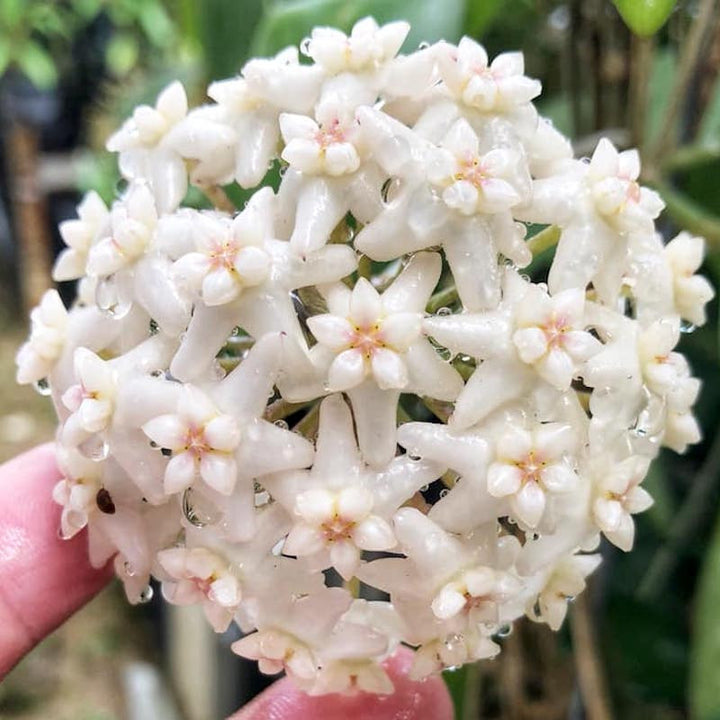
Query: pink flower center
[555, 330]
[195, 441]
[330, 133]
[531, 467]
[223, 254]
[366, 339]
[337, 528]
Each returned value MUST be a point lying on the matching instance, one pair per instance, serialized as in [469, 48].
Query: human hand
[43, 580]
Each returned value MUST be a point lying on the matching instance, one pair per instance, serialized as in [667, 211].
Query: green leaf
[704, 681]
[156, 24]
[37, 64]
[479, 16]
[122, 53]
[11, 13]
[5, 54]
[456, 681]
[645, 17]
[288, 22]
[86, 9]
[226, 29]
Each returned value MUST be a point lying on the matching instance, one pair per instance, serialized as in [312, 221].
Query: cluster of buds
[363, 410]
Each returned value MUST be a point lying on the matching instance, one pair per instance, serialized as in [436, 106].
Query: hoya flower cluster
[343, 416]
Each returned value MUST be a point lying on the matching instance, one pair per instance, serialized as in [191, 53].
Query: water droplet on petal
[95, 448]
[129, 569]
[444, 493]
[687, 327]
[504, 630]
[198, 510]
[42, 387]
[146, 595]
[444, 311]
[424, 45]
[414, 457]
[305, 46]
[282, 424]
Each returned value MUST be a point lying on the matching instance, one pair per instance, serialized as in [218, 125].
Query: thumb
[424, 700]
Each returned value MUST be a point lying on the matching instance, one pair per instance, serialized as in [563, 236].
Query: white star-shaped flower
[529, 465]
[497, 87]
[692, 292]
[200, 576]
[470, 182]
[48, 328]
[144, 152]
[79, 235]
[618, 496]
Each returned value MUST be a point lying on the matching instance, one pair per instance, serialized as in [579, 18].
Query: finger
[425, 700]
[43, 579]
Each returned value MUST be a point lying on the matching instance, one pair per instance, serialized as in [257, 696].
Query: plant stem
[696, 504]
[690, 156]
[443, 298]
[590, 672]
[641, 57]
[218, 197]
[544, 240]
[693, 46]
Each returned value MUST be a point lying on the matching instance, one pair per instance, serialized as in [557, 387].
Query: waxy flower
[529, 466]
[550, 335]
[613, 181]
[366, 48]
[473, 183]
[93, 398]
[566, 580]
[132, 224]
[79, 235]
[200, 576]
[692, 292]
[202, 441]
[48, 327]
[144, 154]
[497, 87]
[618, 497]
[230, 257]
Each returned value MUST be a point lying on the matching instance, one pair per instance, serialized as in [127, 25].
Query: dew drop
[686, 327]
[146, 595]
[424, 45]
[42, 387]
[198, 510]
[414, 457]
[282, 424]
[129, 569]
[305, 46]
[444, 493]
[504, 630]
[444, 311]
[95, 448]
[424, 488]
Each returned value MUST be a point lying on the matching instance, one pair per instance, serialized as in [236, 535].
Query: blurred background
[644, 642]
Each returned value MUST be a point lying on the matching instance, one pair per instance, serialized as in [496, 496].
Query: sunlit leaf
[645, 17]
[37, 64]
[122, 53]
[11, 13]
